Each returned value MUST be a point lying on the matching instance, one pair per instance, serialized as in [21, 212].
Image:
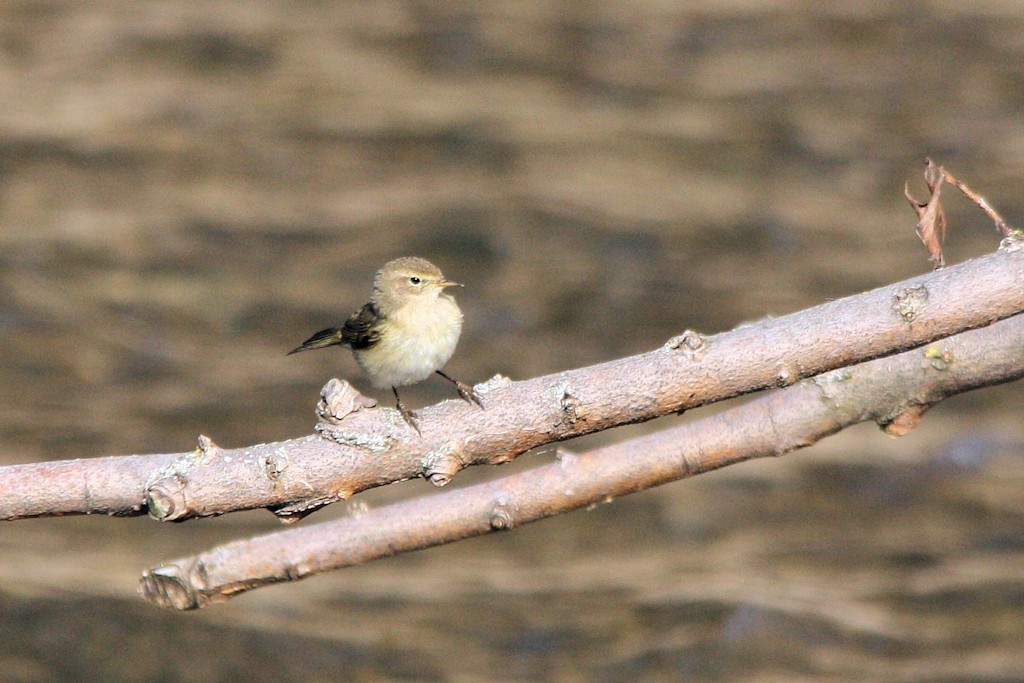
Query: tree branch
[892, 391]
[368, 448]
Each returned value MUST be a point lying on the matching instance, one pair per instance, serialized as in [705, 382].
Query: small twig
[1001, 225]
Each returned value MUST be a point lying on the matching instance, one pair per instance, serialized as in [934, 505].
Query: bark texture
[355, 448]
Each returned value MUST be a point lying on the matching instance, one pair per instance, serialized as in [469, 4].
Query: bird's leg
[465, 391]
[407, 415]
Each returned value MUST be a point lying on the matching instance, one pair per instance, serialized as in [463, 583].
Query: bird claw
[465, 391]
[467, 394]
[409, 417]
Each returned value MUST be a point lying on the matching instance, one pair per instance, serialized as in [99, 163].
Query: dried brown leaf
[931, 217]
[933, 175]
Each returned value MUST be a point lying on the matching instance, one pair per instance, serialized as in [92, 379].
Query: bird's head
[406, 280]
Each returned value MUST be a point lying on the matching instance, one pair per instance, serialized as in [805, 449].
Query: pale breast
[418, 341]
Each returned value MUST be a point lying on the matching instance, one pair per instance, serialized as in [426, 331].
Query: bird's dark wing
[362, 329]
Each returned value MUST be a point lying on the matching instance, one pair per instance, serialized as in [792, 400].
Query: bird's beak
[447, 283]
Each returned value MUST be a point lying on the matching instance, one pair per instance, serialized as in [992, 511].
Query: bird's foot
[467, 394]
[465, 391]
[409, 417]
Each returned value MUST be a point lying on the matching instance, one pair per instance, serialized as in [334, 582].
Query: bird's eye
[415, 280]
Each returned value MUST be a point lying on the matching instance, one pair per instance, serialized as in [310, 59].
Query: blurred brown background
[187, 190]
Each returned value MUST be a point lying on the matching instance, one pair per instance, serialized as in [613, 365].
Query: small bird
[406, 332]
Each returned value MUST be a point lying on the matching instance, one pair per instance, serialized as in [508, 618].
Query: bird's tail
[321, 339]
